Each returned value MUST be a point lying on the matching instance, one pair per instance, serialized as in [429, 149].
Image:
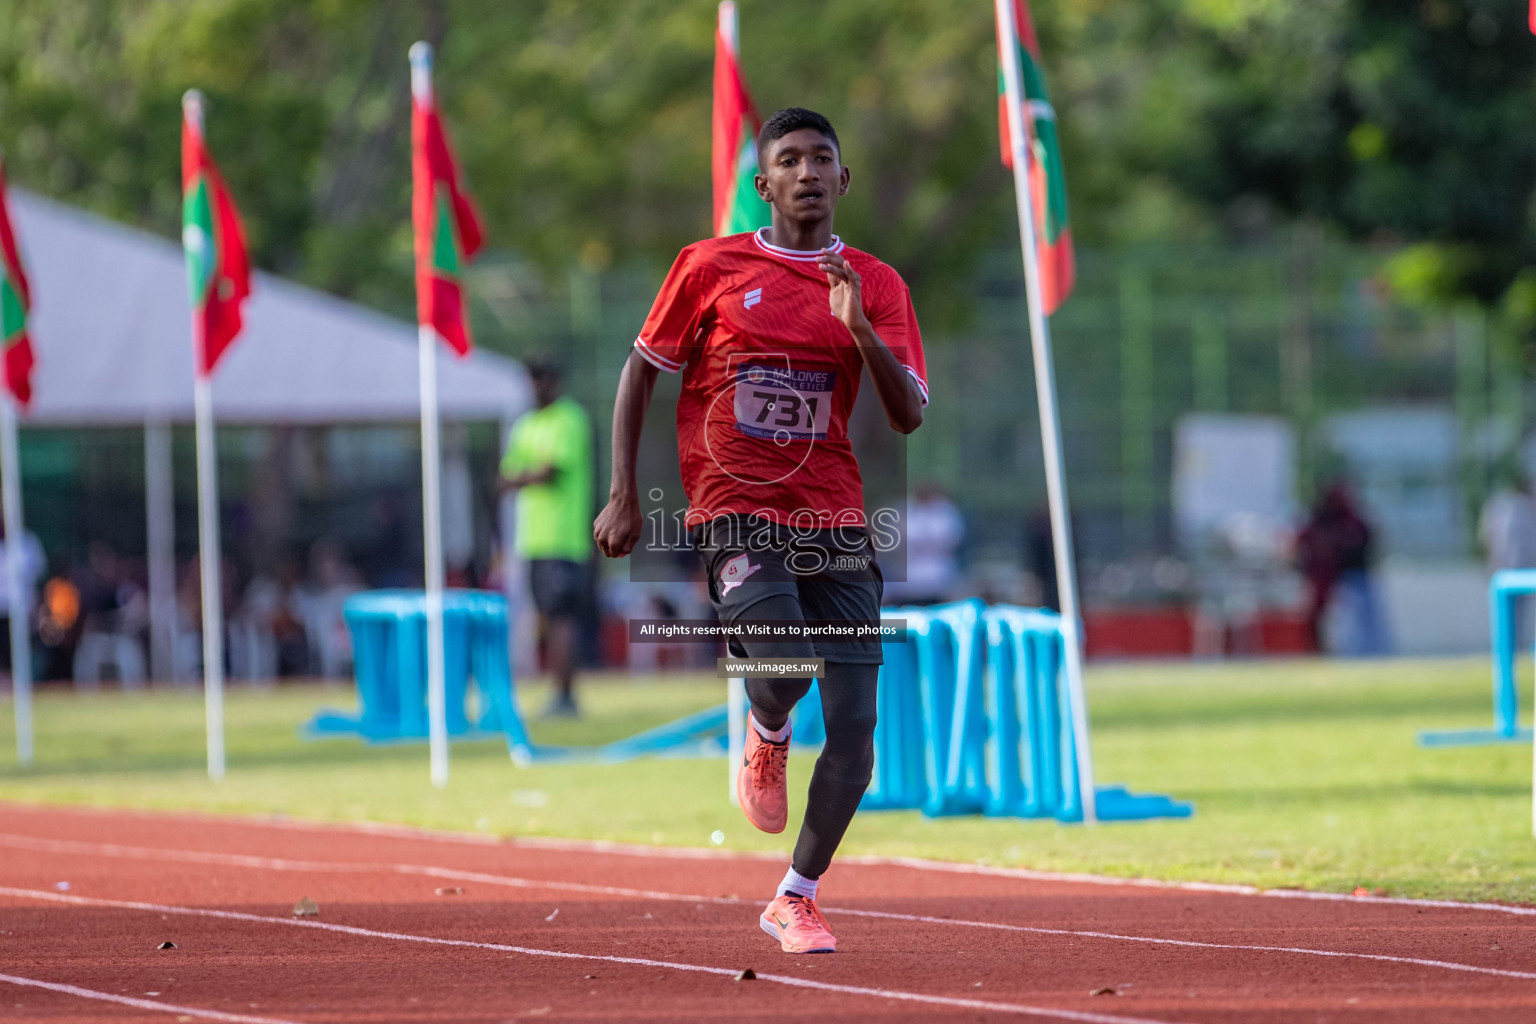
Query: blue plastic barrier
[389, 631]
[1504, 591]
[974, 713]
[389, 640]
[975, 717]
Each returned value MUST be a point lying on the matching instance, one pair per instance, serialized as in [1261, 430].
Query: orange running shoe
[760, 781]
[798, 925]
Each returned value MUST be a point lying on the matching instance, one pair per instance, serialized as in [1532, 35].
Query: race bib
[783, 404]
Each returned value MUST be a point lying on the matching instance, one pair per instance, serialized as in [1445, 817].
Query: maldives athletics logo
[764, 398]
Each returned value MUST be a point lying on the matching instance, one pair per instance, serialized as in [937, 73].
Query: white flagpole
[10, 508]
[210, 559]
[431, 496]
[735, 689]
[15, 551]
[727, 24]
[209, 549]
[1050, 417]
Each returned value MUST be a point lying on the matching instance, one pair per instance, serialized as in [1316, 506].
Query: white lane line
[142, 1004]
[604, 846]
[1191, 943]
[65, 846]
[242, 860]
[777, 979]
[1221, 888]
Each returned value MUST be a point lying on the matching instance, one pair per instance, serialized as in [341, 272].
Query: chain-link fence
[1302, 330]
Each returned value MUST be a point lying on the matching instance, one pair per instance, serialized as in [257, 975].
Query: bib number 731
[783, 404]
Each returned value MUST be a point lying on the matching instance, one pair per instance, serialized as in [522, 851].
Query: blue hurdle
[975, 718]
[974, 713]
[1504, 591]
[388, 630]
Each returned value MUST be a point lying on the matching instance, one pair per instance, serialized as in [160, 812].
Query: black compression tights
[848, 708]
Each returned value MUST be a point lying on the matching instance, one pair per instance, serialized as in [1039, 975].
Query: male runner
[772, 331]
[548, 463]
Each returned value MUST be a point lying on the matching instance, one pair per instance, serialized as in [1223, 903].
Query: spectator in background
[114, 612]
[1507, 526]
[1333, 551]
[58, 625]
[285, 622]
[388, 557]
[187, 654]
[549, 464]
[934, 533]
[33, 563]
[1507, 530]
[272, 638]
[319, 603]
[1040, 551]
[1040, 556]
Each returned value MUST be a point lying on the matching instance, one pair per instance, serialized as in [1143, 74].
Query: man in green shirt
[549, 464]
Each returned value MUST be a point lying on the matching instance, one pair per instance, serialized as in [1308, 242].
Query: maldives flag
[218, 268]
[738, 207]
[15, 304]
[448, 229]
[1048, 183]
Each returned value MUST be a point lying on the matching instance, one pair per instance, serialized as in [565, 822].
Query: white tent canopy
[112, 329]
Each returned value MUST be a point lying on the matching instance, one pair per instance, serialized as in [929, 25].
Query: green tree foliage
[1397, 122]
[584, 126]
[305, 117]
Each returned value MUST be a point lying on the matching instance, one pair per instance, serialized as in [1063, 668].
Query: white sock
[771, 735]
[797, 883]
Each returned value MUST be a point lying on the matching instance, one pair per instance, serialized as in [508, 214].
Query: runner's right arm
[618, 525]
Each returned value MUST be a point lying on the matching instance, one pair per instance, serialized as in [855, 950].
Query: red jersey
[770, 375]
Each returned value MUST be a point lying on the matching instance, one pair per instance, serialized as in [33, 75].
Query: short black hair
[544, 368]
[792, 119]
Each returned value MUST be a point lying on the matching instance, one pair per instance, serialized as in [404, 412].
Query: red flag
[1047, 178]
[448, 228]
[218, 266]
[15, 305]
[1533, 16]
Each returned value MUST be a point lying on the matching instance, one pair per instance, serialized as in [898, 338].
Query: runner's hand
[847, 297]
[618, 527]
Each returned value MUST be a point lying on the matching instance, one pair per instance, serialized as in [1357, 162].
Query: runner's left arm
[899, 394]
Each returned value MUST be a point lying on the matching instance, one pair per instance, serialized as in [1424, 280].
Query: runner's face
[802, 176]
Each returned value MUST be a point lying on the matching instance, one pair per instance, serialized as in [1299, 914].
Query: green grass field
[1303, 774]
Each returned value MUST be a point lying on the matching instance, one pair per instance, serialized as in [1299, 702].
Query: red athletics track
[549, 931]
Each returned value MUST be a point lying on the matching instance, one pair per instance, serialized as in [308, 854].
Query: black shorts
[832, 574]
[559, 586]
